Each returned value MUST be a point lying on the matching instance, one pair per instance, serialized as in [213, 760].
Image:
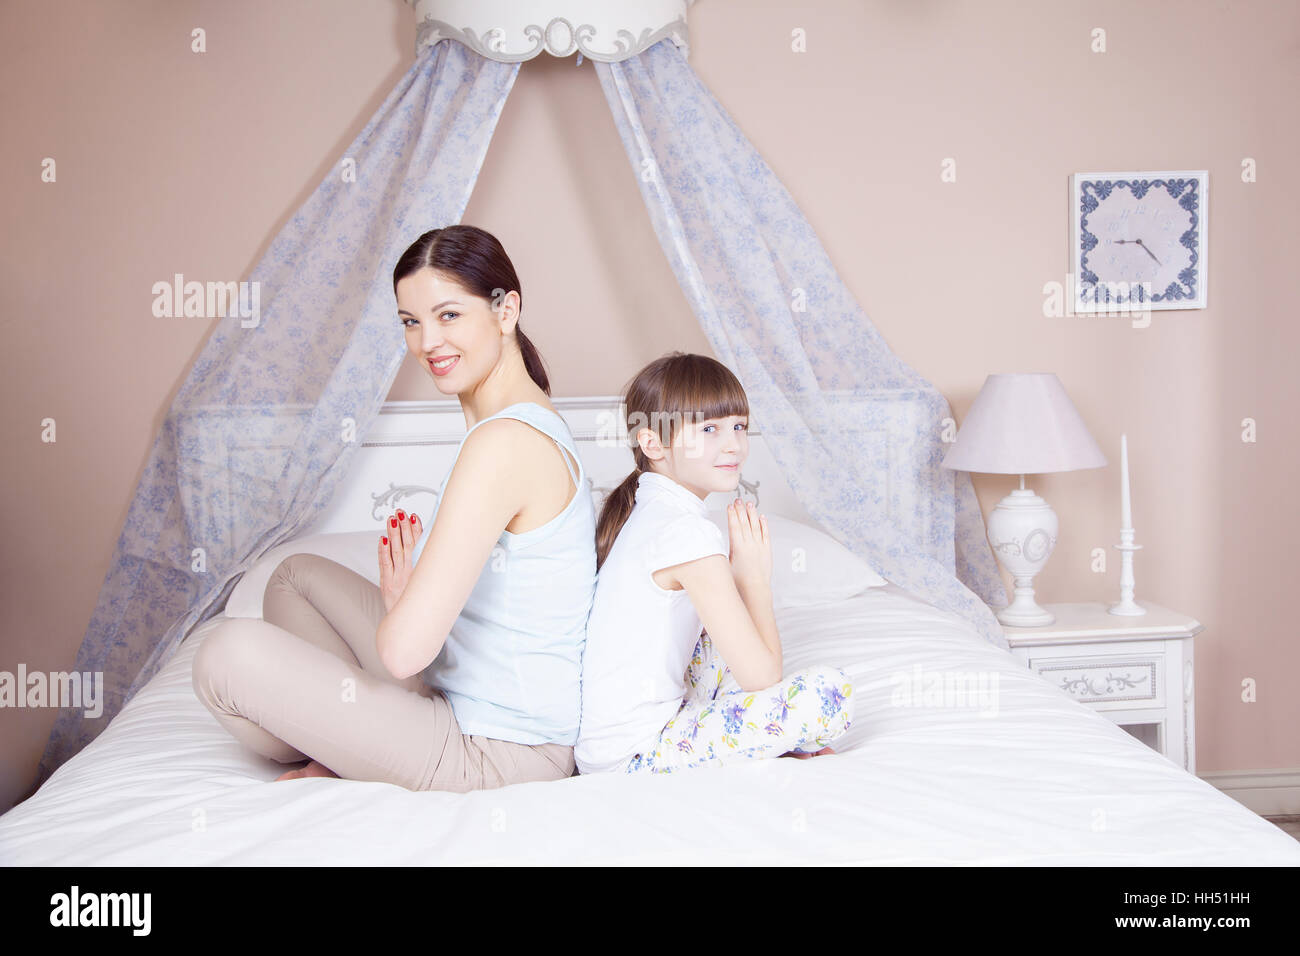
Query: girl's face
[458, 337]
[706, 455]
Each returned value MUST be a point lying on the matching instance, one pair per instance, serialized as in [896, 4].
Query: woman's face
[458, 337]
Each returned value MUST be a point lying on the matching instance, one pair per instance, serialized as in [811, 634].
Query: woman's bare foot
[818, 753]
[313, 769]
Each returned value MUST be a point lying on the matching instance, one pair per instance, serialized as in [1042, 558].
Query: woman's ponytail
[532, 360]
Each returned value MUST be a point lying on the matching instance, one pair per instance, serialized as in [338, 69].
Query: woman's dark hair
[673, 389]
[476, 260]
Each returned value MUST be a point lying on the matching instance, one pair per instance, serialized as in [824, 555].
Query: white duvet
[1043, 780]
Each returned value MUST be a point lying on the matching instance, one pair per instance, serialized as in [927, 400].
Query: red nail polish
[412, 519]
[401, 515]
[392, 522]
[385, 540]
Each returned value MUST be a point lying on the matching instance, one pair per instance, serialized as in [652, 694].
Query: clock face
[1140, 240]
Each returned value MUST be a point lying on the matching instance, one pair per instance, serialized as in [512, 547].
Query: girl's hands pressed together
[395, 549]
[751, 546]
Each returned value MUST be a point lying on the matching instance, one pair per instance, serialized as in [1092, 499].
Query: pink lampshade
[1023, 423]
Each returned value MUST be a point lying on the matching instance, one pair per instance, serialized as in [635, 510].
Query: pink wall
[174, 162]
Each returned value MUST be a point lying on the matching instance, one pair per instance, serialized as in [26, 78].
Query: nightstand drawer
[1113, 681]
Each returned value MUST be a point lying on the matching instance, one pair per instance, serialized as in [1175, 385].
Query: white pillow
[808, 565]
[358, 550]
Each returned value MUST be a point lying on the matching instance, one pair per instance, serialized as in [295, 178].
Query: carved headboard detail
[406, 455]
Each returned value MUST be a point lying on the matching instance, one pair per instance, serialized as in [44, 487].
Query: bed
[1026, 775]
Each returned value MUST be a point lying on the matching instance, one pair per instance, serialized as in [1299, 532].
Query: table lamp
[1023, 423]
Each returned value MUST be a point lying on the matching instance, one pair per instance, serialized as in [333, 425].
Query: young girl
[652, 695]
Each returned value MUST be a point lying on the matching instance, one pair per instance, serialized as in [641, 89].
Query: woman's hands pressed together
[751, 546]
[395, 549]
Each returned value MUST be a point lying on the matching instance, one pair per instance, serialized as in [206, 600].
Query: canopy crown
[513, 30]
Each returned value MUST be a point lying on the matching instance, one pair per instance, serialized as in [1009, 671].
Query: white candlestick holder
[1126, 606]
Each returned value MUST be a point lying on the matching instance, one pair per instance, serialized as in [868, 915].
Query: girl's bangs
[709, 391]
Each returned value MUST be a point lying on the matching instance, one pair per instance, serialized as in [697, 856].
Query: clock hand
[1148, 251]
[1143, 245]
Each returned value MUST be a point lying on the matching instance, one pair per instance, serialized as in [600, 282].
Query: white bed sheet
[1045, 781]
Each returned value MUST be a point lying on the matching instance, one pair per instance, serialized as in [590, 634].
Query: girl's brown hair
[676, 388]
[476, 260]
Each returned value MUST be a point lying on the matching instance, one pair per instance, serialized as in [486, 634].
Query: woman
[457, 672]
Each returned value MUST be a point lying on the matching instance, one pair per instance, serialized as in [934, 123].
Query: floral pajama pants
[805, 712]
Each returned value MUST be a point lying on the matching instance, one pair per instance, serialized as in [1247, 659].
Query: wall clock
[1139, 240]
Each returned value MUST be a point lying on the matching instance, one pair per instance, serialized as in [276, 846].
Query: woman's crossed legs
[306, 682]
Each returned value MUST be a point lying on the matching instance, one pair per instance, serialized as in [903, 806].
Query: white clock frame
[1077, 253]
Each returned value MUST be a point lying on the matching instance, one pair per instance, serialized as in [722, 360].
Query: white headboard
[402, 461]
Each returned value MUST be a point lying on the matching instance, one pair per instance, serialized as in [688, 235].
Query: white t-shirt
[640, 637]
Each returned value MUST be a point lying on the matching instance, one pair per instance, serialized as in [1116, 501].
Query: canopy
[253, 446]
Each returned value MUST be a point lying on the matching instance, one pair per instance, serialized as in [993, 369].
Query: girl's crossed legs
[803, 713]
[306, 681]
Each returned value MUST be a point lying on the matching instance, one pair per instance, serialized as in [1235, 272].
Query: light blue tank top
[512, 664]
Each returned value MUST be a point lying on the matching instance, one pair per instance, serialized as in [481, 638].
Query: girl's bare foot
[313, 769]
[818, 753]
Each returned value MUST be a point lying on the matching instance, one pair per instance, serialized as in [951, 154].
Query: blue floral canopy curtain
[836, 406]
[265, 425]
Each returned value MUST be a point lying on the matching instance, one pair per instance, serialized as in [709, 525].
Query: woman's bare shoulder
[504, 442]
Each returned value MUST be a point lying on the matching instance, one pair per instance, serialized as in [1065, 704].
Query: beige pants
[306, 681]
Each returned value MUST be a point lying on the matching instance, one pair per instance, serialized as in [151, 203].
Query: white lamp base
[1022, 530]
[1024, 611]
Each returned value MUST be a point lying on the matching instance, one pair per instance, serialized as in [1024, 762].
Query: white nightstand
[1137, 671]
